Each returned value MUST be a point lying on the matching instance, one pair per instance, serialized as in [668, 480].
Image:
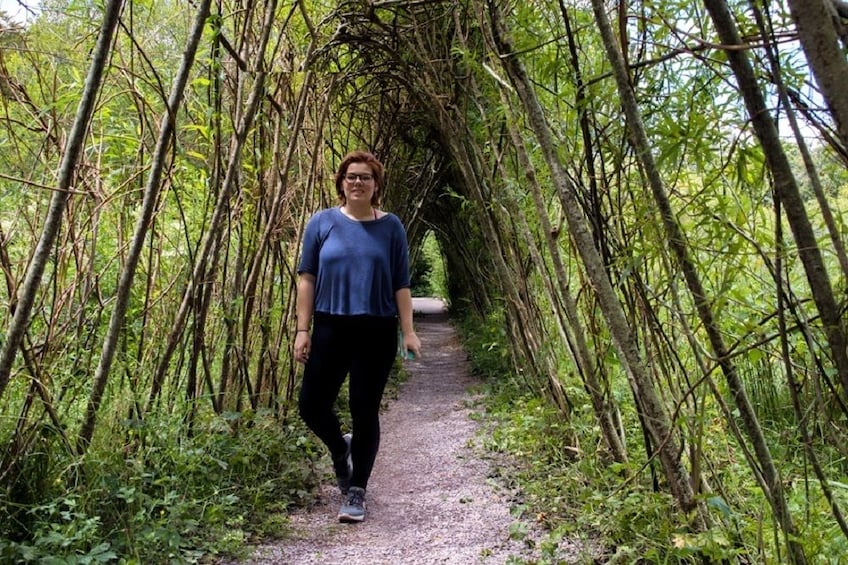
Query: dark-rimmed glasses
[353, 177]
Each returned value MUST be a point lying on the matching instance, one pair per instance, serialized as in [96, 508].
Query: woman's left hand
[412, 343]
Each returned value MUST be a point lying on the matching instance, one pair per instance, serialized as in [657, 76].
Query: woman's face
[359, 184]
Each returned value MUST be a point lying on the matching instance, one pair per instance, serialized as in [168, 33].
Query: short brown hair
[376, 169]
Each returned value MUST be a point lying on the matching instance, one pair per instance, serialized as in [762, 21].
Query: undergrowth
[156, 492]
[161, 497]
[620, 513]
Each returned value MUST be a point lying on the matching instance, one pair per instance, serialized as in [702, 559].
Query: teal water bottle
[410, 355]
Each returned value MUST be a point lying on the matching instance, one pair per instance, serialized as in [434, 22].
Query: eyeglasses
[352, 177]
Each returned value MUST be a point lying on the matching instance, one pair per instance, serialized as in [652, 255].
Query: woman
[352, 290]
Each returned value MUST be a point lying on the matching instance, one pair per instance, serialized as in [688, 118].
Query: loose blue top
[358, 266]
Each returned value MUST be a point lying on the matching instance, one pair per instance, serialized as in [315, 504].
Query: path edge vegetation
[647, 265]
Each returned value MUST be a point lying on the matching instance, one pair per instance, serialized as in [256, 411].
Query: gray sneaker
[353, 509]
[344, 467]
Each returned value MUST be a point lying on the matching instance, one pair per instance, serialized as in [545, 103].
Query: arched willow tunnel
[623, 196]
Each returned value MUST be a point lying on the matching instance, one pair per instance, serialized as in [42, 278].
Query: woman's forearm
[403, 297]
[305, 301]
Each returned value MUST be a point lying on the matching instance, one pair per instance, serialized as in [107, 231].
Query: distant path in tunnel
[430, 499]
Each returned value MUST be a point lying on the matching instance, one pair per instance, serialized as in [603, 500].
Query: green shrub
[165, 497]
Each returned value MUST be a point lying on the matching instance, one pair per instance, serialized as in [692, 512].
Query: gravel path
[429, 499]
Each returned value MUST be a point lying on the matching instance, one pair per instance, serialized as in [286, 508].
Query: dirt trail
[429, 499]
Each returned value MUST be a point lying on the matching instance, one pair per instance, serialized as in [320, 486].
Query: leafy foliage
[555, 468]
[428, 272]
[163, 496]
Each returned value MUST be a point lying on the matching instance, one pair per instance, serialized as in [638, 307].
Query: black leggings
[365, 348]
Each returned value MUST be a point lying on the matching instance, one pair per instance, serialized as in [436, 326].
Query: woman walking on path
[353, 289]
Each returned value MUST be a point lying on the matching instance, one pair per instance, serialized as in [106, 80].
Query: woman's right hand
[302, 345]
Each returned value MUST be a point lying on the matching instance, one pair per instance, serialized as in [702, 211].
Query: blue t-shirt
[358, 266]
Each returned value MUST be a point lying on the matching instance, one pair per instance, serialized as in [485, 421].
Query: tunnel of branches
[405, 96]
[393, 82]
[621, 272]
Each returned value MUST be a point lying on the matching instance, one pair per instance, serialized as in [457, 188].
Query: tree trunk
[816, 30]
[574, 334]
[809, 165]
[151, 196]
[53, 221]
[657, 421]
[786, 188]
[200, 272]
[677, 242]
